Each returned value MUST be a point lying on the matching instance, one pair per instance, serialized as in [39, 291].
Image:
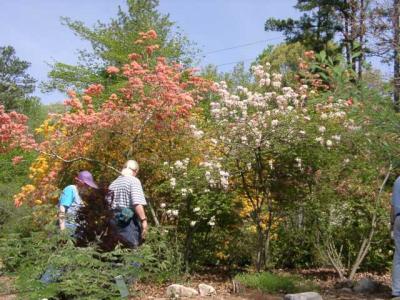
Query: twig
[153, 213]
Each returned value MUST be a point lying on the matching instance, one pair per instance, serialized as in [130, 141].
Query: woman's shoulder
[70, 187]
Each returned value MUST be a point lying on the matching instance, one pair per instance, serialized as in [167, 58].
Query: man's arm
[138, 201]
[139, 210]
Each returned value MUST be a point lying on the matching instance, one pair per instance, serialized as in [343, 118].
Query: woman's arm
[61, 217]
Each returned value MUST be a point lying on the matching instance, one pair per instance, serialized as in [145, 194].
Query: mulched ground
[326, 279]
[6, 288]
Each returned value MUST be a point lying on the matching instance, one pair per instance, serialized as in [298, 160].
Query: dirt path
[6, 288]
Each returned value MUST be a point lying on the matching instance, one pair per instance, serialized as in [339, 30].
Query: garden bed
[324, 279]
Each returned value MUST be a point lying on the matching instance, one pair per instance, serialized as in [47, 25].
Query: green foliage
[315, 28]
[162, 255]
[32, 246]
[284, 58]
[275, 283]
[16, 84]
[12, 177]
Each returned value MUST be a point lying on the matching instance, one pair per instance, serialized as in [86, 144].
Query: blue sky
[34, 29]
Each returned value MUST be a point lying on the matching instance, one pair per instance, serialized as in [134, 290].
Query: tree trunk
[361, 33]
[268, 237]
[366, 244]
[347, 40]
[353, 32]
[396, 55]
[260, 260]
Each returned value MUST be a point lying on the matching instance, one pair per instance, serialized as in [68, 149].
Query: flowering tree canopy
[154, 105]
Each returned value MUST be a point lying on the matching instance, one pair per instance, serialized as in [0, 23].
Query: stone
[344, 284]
[346, 290]
[303, 296]
[177, 291]
[206, 290]
[237, 287]
[365, 286]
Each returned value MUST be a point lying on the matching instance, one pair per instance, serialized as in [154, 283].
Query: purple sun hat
[87, 178]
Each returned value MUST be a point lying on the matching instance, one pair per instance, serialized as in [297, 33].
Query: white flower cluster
[247, 106]
[172, 213]
[249, 120]
[185, 192]
[211, 222]
[262, 75]
[197, 133]
[299, 163]
[181, 165]
[214, 172]
[172, 181]
[329, 142]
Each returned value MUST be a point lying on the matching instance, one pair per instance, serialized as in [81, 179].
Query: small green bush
[274, 283]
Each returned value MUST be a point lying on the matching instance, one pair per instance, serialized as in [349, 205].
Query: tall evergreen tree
[315, 28]
[16, 84]
[325, 22]
[384, 22]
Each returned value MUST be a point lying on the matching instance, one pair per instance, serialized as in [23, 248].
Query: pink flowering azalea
[112, 70]
[16, 160]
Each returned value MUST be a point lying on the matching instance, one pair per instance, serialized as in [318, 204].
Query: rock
[344, 284]
[303, 296]
[346, 290]
[365, 286]
[237, 287]
[206, 290]
[177, 290]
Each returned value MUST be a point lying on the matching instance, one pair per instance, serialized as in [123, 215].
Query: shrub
[274, 283]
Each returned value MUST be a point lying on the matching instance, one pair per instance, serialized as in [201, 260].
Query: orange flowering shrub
[145, 117]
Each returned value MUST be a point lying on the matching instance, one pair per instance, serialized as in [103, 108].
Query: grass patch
[274, 283]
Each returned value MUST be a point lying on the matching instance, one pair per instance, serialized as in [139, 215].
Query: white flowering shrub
[276, 171]
[197, 205]
[274, 141]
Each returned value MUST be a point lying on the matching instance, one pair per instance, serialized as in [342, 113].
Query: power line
[236, 62]
[241, 46]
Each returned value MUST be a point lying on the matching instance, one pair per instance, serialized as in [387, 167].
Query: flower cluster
[14, 131]
[215, 174]
[254, 118]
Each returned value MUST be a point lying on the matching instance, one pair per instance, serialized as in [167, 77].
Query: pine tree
[325, 22]
[16, 84]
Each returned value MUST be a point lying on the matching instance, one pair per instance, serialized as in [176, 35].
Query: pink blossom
[16, 160]
[112, 70]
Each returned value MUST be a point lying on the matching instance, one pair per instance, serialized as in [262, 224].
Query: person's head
[85, 180]
[131, 168]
